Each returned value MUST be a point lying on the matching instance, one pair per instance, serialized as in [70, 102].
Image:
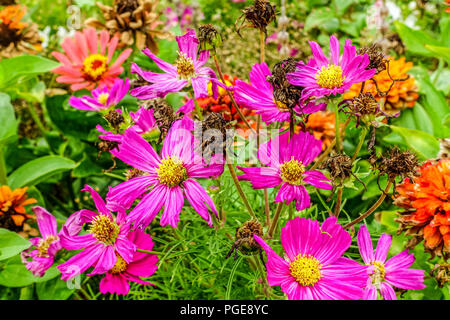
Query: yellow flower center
[171, 171]
[306, 269]
[103, 97]
[292, 171]
[330, 77]
[104, 229]
[44, 245]
[120, 266]
[379, 272]
[281, 106]
[185, 66]
[95, 65]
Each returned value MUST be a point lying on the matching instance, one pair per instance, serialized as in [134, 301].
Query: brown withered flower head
[16, 37]
[377, 60]
[444, 149]
[137, 21]
[259, 16]
[133, 173]
[115, 119]
[164, 115]
[441, 272]
[209, 38]
[212, 133]
[245, 241]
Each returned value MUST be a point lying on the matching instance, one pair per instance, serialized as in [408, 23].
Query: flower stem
[373, 208]
[275, 220]
[222, 78]
[39, 124]
[266, 207]
[198, 110]
[3, 177]
[337, 208]
[148, 251]
[360, 144]
[338, 133]
[240, 191]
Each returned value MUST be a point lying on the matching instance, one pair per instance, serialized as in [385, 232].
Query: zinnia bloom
[188, 70]
[46, 246]
[86, 65]
[385, 275]
[402, 95]
[106, 241]
[168, 179]
[323, 76]
[427, 205]
[102, 98]
[12, 207]
[142, 265]
[286, 162]
[314, 268]
[259, 96]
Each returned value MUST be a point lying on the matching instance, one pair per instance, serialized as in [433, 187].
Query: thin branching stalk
[337, 208]
[275, 220]
[338, 132]
[148, 251]
[360, 144]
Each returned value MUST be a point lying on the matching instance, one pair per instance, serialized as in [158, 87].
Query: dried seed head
[397, 164]
[259, 15]
[114, 118]
[444, 151]
[441, 273]
[138, 82]
[133, 173]
[164, 115]
[209, 38]
[244, 238]
[376, 57]
[339, 166]
[212, 132]
[106, 145]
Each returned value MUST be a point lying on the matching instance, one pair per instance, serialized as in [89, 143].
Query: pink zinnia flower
[46, 246]
[186, 71]
[142, 265]
[286, 163]
[259, 96]
[385, 275]
[106, 241]
[167, 180]
[86, 65]
[102, 98]
[323, 77]
[314, 268]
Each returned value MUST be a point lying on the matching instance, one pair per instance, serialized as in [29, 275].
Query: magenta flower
[188, 70]
[286, 163]
[323, 76]
[105, 244]
[102, 98]
[258, 96]
[314, 268]
[144, 122]
[46, 246]
[167, 180]
[142, 265]
[385, 275]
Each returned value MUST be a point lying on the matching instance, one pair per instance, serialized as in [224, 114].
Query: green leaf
[11, 244]
[23, 67]
[415, 40]
[54, 289]
[322, 18]
[425, 145]
[422, 119]
[441, 52]
[8, 127]
[38, 170]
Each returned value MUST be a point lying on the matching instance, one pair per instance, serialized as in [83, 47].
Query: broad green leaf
[11, 244]
[322, 18]
[38, 170]
[422, 119]
[441, 52]
[8, 127]
[23, 67]
[415, 40]
[425, 145]
[54, 289]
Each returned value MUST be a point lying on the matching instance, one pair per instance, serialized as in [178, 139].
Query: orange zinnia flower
[12, 207]
[403, 94]
[11, 16]
[427, 201]
[322, 125]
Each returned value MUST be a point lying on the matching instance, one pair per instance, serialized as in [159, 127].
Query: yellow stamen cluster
[120, 266]
[44, 245]
[95, 65]
[185, 66]
[281, 106]
[104, 229]
[379, 272]
[171, 171]
[306, 270]
[292, 171]
[330, 77]
[103, 97]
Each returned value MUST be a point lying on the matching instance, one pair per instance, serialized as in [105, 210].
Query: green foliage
[11, 244]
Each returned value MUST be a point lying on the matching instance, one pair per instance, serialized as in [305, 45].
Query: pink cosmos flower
[314, 268]
[144, 122]
[167, 180]
[188, 70]
[286, 162]
[142, 265]
[102, 98]
[86, 63]
[106, 242]
[47, 246]
[259, 96]
[323, 76]
[385, 275]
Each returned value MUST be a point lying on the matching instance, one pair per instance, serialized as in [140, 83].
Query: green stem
[198, 110]
[115, 176]
[439, 70]
[360, 144]
[148, 251]
[3, 177]
[338, 133]
[275, 220]
[40, 125]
